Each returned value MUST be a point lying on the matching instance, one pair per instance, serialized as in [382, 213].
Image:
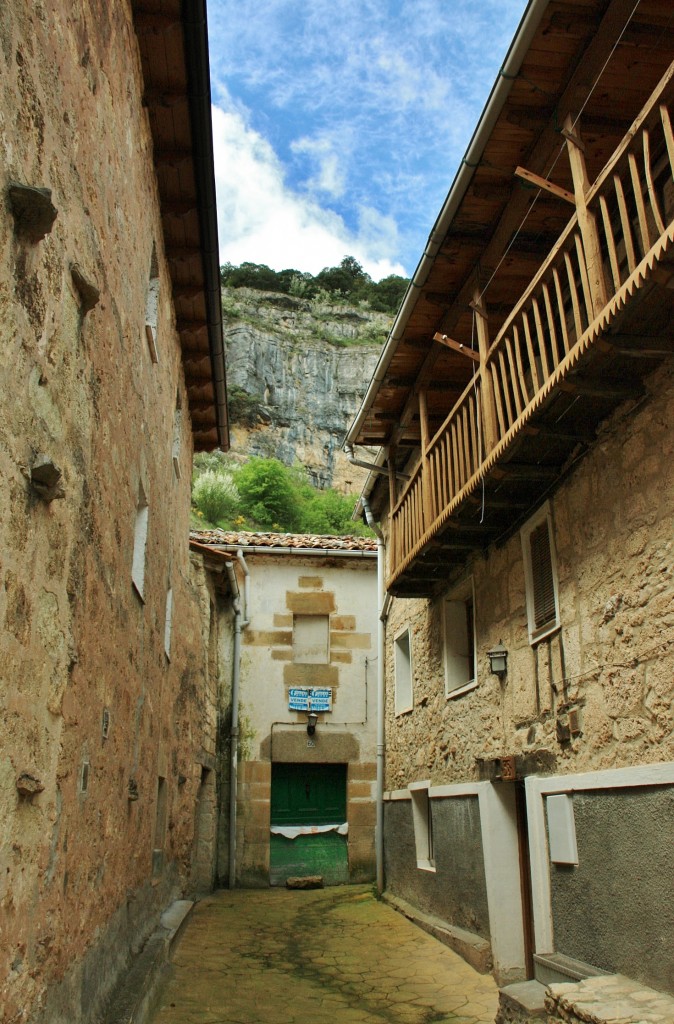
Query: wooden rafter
[456, 346]
[547, 186]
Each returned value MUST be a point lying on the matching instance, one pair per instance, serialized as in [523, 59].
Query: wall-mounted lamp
[498, 660]
[312, 719]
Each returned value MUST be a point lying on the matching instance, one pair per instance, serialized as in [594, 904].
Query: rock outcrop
[297, 372]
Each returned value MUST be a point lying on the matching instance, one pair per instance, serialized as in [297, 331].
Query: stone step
[612, 999]
[521, 1003]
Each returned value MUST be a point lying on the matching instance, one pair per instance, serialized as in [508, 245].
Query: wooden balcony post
[425, 474]
[489, 422]
[586, 220]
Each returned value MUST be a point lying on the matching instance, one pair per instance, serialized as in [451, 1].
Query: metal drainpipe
[234, 732]
[382, 606]
[246, 587]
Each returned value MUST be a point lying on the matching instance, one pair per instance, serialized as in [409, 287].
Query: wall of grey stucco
[615, 910]
[456, 891]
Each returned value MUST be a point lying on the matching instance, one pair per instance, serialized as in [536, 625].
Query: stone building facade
[587, 711]
[308, 640]
[109, 699]
[525, 493]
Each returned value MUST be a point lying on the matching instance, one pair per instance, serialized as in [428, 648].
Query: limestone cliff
[297, 371]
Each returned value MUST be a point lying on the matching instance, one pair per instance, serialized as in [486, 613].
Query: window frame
[461, 593]
[405, 631]
[140, 533]
[299, 618]
[168, 622]
[152, 306]
[422, 821]
[538, 633]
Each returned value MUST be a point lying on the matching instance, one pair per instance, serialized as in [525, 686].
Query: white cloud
[330, 176]
[261, 220]
[368, 108]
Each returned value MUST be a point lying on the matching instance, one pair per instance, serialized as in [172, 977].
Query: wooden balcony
[594, 321]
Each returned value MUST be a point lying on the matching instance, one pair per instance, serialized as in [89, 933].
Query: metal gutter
[304, 552]
[199, 93]
[497, 97]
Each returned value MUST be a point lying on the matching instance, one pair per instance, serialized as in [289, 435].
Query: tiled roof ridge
[245, 538]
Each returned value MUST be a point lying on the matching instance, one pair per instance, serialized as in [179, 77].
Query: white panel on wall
[562, 829]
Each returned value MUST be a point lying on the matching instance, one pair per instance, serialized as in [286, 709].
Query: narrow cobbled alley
[333, 956]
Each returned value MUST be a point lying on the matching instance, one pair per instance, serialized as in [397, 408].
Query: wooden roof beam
[457, 346]
[616, 390]
[543, 183]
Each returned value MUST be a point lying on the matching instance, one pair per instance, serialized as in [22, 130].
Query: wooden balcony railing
[623, 224]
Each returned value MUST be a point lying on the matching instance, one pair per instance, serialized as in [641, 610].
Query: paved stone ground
[332, 956]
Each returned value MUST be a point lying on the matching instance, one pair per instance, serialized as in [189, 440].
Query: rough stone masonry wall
[612, 660]
[77, 887]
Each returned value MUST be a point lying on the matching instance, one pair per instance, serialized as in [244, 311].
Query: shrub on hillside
[215, 495]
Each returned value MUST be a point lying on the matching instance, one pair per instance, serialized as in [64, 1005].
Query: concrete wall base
[137, 994]
[474, 950]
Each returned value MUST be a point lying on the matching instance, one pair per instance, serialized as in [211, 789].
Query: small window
[422, 819]
[168, 622]
[402, 646]
[311, 639]
[177, 436]
[152, 306]
[540, 568]
[140, 543]
[459, 640]
[160, 826]
[84, 775]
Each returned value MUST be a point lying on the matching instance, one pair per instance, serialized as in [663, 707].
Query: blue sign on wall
[314, 698]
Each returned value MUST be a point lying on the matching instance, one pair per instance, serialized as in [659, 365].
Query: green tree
[329, 512]
[387, 294]
[268, 495]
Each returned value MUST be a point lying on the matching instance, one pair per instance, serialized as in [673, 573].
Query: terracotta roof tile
[305, 541]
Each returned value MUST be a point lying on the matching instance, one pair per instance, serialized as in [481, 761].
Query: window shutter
[542, 577]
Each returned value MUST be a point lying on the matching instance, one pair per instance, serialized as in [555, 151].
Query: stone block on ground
[307, 882]
[521, 1003]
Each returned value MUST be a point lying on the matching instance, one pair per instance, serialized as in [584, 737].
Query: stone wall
[93, 712]
[595, 694]
[611, 661]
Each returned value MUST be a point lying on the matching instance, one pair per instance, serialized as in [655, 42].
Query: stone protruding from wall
[613, 999]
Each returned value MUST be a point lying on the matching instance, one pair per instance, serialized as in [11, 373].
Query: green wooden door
[306, 795]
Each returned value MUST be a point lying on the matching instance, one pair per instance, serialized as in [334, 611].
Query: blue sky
[338, 125]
